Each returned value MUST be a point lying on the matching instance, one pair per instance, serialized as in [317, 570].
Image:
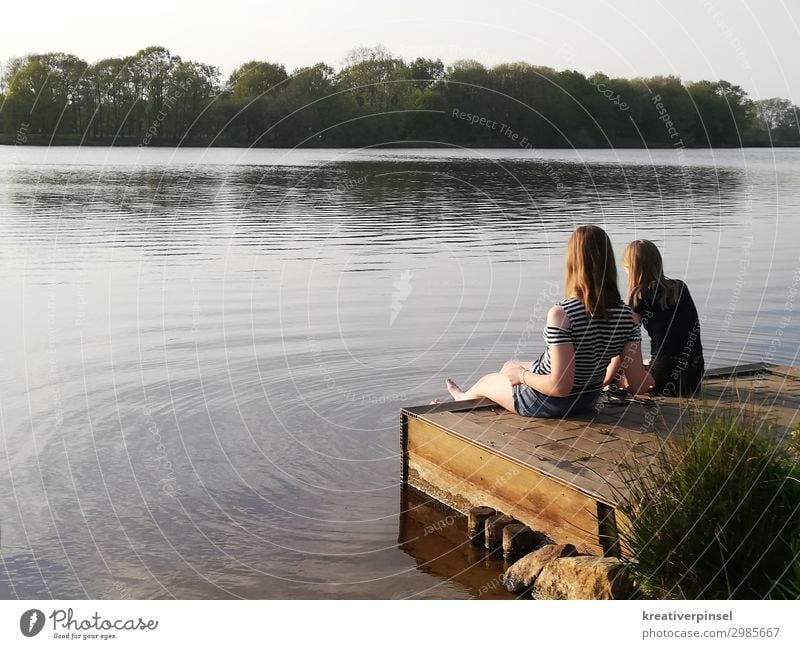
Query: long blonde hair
[591, 273]
[646, 272]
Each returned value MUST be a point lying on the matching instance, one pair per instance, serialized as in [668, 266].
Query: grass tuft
[716, 513]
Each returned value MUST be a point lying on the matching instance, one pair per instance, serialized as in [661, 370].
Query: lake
[204, 352]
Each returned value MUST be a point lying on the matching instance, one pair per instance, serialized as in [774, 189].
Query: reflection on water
[204, 352]
[436, 537]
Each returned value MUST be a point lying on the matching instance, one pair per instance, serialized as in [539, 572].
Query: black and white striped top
[596, 341]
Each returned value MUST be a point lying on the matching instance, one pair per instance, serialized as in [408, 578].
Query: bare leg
[496, 387]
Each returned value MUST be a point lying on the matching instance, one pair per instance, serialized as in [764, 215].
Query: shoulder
[681, 286]
[684, 295]
[572, 306]
[557, 316]
[621, 313]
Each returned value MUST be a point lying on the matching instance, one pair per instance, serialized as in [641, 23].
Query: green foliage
[775, 120]
[716, 514]
[728, 108]
[426, 73]
[794, 442]
[154, 97]
[788, 586]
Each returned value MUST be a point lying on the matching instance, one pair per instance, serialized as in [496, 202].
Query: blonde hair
[591, 272]
[646, 271]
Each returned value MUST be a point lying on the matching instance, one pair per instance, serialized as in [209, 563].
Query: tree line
[156, 98]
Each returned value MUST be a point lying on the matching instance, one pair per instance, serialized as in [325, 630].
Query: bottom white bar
[355, 624]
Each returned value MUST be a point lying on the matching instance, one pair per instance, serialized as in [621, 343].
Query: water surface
[204, 352]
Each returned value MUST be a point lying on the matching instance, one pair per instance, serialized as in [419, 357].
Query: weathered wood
[739, 370]
[464, 475]
[548, 458]
[494, 530]
[476, 523]
[518, 540]
[609, 531]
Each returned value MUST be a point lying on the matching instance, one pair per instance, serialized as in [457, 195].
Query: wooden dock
[560, 476]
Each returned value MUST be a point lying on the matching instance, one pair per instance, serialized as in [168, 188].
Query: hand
[513, 373]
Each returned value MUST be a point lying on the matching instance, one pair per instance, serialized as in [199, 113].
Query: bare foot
[436, 402]
[456, 392]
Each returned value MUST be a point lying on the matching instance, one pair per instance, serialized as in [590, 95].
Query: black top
[674, 330]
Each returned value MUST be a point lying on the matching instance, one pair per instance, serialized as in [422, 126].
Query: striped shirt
[596, 342]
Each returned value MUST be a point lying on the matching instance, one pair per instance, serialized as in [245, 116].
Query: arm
[613, 370]
[562, 363]
[637, 376]
[562, 373]
[513, 370]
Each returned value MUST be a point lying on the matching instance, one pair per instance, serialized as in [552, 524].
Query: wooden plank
[786, 370]
[738, 370]
[547, 459]
[448, 406]
[463, 475]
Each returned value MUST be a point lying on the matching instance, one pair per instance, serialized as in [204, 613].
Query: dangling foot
[456, 392]
[436, 402]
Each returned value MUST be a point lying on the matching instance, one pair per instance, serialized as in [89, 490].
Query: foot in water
[456, 392]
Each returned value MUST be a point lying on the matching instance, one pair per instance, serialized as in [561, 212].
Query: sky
[753, 43]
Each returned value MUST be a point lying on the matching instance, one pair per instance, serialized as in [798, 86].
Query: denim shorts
[531, 403]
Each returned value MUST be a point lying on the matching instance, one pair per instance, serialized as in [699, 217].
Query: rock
[583, 577]
[523, 574]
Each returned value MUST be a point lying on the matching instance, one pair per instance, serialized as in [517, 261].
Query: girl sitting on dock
[584, 333]
[666, 309]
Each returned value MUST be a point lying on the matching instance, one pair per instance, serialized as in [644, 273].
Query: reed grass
[716, 513]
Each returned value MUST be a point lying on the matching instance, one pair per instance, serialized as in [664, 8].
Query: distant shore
[126, 143]
[156, 98]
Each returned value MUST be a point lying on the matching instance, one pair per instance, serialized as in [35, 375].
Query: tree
[150, 71]
[666, 115]
[379, 84]
[370, 73]
[154, 96]
[110, 96]
[44, 93]
[778, 118]
[191, 87]
[254, 87]
[425, 73]
[722, 112]
[67, 90]
[315, 105]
